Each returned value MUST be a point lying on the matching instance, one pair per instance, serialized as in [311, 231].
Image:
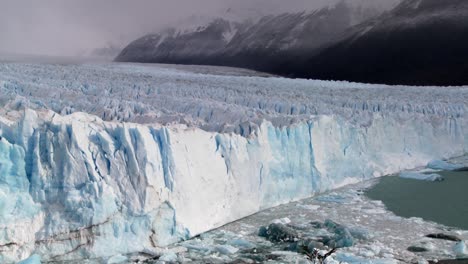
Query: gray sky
[73, 27]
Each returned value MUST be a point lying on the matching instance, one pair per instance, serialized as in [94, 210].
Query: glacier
[379, 236]
[100, 160]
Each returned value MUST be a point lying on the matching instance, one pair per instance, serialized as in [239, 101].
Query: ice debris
[443, 165]
[341, 237]
[33, 259]
[241, 243]
[421, 176]
[283, 221]
[226, 249]
[118, 259]
[278, 233]
[461, 249]
[351, 259]
[169, 257]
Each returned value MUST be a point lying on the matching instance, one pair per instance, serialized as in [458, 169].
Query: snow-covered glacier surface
[102, 160]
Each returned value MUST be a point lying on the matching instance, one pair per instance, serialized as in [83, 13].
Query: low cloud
[74, 27]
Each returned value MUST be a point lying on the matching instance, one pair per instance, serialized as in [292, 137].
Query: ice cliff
[101, 160]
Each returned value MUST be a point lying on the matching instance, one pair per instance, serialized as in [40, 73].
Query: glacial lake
[443, 202]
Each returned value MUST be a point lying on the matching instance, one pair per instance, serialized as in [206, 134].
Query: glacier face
[101, 160]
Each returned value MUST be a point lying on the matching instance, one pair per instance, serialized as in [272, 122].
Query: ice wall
[100, 160]
[74, 186]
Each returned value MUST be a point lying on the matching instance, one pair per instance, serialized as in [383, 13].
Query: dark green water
[443, 202]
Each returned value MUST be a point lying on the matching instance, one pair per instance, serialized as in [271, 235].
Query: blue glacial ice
[34, 259]
[461, 250]
[421, 176]
[104, 160]
[348, 258]
[443, 165]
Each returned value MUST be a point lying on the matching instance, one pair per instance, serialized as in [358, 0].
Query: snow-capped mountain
[265, 43]
[419, 42]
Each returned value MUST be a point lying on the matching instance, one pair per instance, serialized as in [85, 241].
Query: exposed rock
[417, 43]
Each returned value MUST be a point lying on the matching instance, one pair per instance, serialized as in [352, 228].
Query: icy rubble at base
[461, 249]
[443, 165]
[92, 188]
[421, 176]
[387, 238]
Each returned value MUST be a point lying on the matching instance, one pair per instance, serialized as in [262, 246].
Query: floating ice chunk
[360, 233]
[341, 239]
[461, 250]
[284, 253]
[374, 211]
[443, 165]
[278, 233]
[283, 221]
[226, 249]
[33, 259]
[169, 257]
[118, 259]
[332, 198]
[241, 243]
[351, 259]
[311, 207]
[421, 176]
[200, 247]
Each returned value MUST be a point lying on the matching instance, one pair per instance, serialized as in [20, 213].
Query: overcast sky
[73, 27]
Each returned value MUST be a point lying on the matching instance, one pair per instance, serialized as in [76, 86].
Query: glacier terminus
[99, 160]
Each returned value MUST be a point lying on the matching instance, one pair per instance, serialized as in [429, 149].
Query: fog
[76, 27]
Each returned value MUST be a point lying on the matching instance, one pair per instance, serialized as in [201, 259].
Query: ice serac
[75, 186]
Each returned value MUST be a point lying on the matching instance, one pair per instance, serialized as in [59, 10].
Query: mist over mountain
[415, 42]
[266, 43]
[77, 27]
[419, 42]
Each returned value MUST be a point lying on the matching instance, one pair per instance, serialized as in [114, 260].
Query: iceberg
[421, 176]
[105, 160]
[461, 249]
[347, 258]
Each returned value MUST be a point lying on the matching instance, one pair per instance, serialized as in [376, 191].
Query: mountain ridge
[244, 44]
[415, 43]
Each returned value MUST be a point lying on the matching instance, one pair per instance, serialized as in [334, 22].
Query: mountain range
[417, 42]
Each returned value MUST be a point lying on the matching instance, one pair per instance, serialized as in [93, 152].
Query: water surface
[443, 202]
